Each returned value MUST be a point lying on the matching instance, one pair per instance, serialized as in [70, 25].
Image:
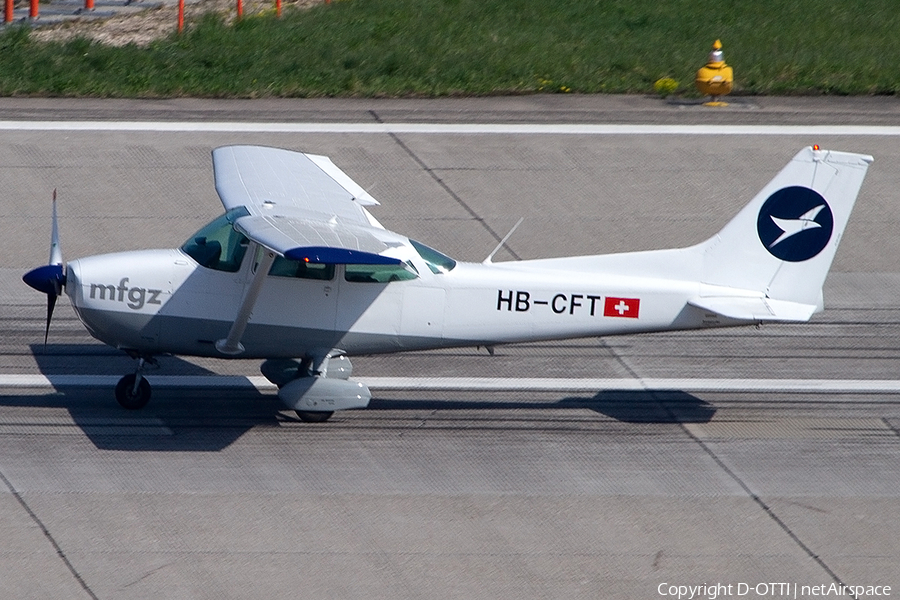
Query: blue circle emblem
[795, 224]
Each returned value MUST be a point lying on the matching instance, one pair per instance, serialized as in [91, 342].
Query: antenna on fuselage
[489, 260]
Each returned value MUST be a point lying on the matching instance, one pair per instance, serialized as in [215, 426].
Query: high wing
[256, 175]
[301, 206]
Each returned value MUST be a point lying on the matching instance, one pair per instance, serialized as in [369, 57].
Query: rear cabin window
[380, 273]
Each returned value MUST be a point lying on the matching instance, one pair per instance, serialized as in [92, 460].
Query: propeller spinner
[50, 278]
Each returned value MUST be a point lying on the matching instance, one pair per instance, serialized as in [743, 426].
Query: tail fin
[771, 260]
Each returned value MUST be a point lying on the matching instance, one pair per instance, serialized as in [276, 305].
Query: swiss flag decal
[621, 307]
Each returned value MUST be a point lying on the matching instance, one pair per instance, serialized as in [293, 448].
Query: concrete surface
[222, 494]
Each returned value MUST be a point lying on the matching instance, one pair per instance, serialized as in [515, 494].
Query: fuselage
[297, 268]
[164, 301]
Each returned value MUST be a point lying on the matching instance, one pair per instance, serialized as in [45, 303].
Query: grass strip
[480, 47]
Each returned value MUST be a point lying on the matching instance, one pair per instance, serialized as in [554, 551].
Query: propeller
[50, 278]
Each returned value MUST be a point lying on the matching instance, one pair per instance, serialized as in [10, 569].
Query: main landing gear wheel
[309, 416]
[131, 397]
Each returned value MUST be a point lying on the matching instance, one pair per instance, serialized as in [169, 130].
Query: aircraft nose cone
[49, 279]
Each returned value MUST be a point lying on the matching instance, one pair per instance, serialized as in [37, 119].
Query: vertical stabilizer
[783, 243]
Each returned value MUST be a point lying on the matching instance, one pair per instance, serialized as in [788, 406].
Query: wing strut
[231, 345]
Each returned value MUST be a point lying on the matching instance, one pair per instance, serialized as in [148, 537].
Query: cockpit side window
[285, 267]
[437, 262]
[219, 246]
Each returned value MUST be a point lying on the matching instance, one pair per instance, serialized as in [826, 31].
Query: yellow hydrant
[715, 79]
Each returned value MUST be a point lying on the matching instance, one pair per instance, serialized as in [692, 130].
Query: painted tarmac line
[481, 384]
[450, 128]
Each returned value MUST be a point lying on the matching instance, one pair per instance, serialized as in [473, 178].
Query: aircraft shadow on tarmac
[176, 419]
[211, 419]
[639, 406]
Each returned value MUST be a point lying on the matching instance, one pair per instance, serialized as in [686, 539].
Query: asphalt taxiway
[744, 456]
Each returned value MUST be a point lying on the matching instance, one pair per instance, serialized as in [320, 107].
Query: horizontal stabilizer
[755, 308]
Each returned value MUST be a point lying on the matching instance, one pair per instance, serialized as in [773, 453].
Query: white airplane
[299, 273]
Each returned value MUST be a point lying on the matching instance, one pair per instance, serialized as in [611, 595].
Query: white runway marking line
[482, 384]
[450, 128]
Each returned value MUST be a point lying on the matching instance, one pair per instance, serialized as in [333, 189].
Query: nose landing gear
[133, 391]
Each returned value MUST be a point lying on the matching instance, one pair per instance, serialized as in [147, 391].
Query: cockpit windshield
[436, 261]
[218, 245]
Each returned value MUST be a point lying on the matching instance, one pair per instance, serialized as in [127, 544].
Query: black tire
[125, 395]
[309, 416]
